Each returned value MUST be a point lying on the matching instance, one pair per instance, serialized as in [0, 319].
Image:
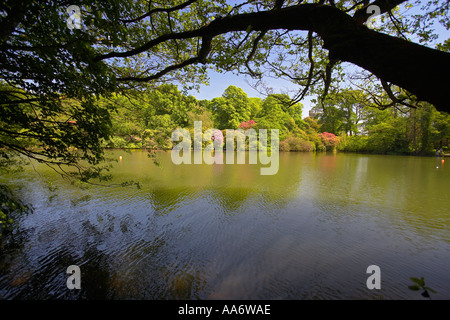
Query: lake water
[227, 232]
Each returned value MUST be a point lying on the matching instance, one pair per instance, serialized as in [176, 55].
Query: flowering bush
[329, 140]
[217, 136]
[247, 124]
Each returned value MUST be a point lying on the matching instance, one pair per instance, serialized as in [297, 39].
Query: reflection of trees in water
[156, 276]
[9, 246]
[229, 200]
[164, 200]
[127, 242]
[169, 187]
[232, 188]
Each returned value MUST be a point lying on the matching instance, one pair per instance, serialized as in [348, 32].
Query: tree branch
[252, 53]
[408, 65]
[166, 10]
[387, 88]
[201, 58]
[362, 15]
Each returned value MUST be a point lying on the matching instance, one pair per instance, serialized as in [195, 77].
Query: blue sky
[220, 81]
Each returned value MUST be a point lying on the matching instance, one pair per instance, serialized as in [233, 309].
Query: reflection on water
[227, 232]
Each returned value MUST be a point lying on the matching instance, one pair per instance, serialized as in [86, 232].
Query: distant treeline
[344, 122]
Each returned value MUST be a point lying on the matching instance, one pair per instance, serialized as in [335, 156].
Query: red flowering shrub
[247, 124]
[329, 140]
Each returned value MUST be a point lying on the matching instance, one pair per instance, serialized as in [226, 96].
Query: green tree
[331, 119]
[388, 137]
[273, 114]
[429, 129]
[231, 108]
[441, 135]
[200, 113]
[165, 107]
[296, 112]
[426, 119]
[351, 103]
[255, 106]
[341, 112]
[159, 109]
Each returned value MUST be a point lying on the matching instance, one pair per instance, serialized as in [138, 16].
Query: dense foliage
[399, 130]
[146, 120]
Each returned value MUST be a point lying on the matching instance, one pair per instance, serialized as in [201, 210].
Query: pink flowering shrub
[247, 124]
[217, 136]
[329, 140]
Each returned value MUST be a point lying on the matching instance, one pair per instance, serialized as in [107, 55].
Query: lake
[227, 232]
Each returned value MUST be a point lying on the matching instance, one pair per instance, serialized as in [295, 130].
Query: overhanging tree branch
[166, 10]
[387, 88]
[253, 51]
[201, 58]
[362, 15]
[408, 65]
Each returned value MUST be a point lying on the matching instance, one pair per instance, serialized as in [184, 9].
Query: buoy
[442, 160]
[120, 158]
[437, 167]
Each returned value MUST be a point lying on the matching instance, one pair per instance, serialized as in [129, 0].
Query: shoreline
[295, 151]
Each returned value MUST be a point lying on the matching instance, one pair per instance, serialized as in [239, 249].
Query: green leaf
[414, 287]
[420, 282]
[429, 289]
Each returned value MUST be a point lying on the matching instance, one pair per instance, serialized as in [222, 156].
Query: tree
[231, 108]
[49, 85]
[330, 119]
[165, 101]
[296, 112]
[351, 102]
[341, 112]
[387, 137]
[442, 134]
[429, 129]
[255, 106]
[426, 118]
[273, 114]
[156, 110]
[200, 113]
